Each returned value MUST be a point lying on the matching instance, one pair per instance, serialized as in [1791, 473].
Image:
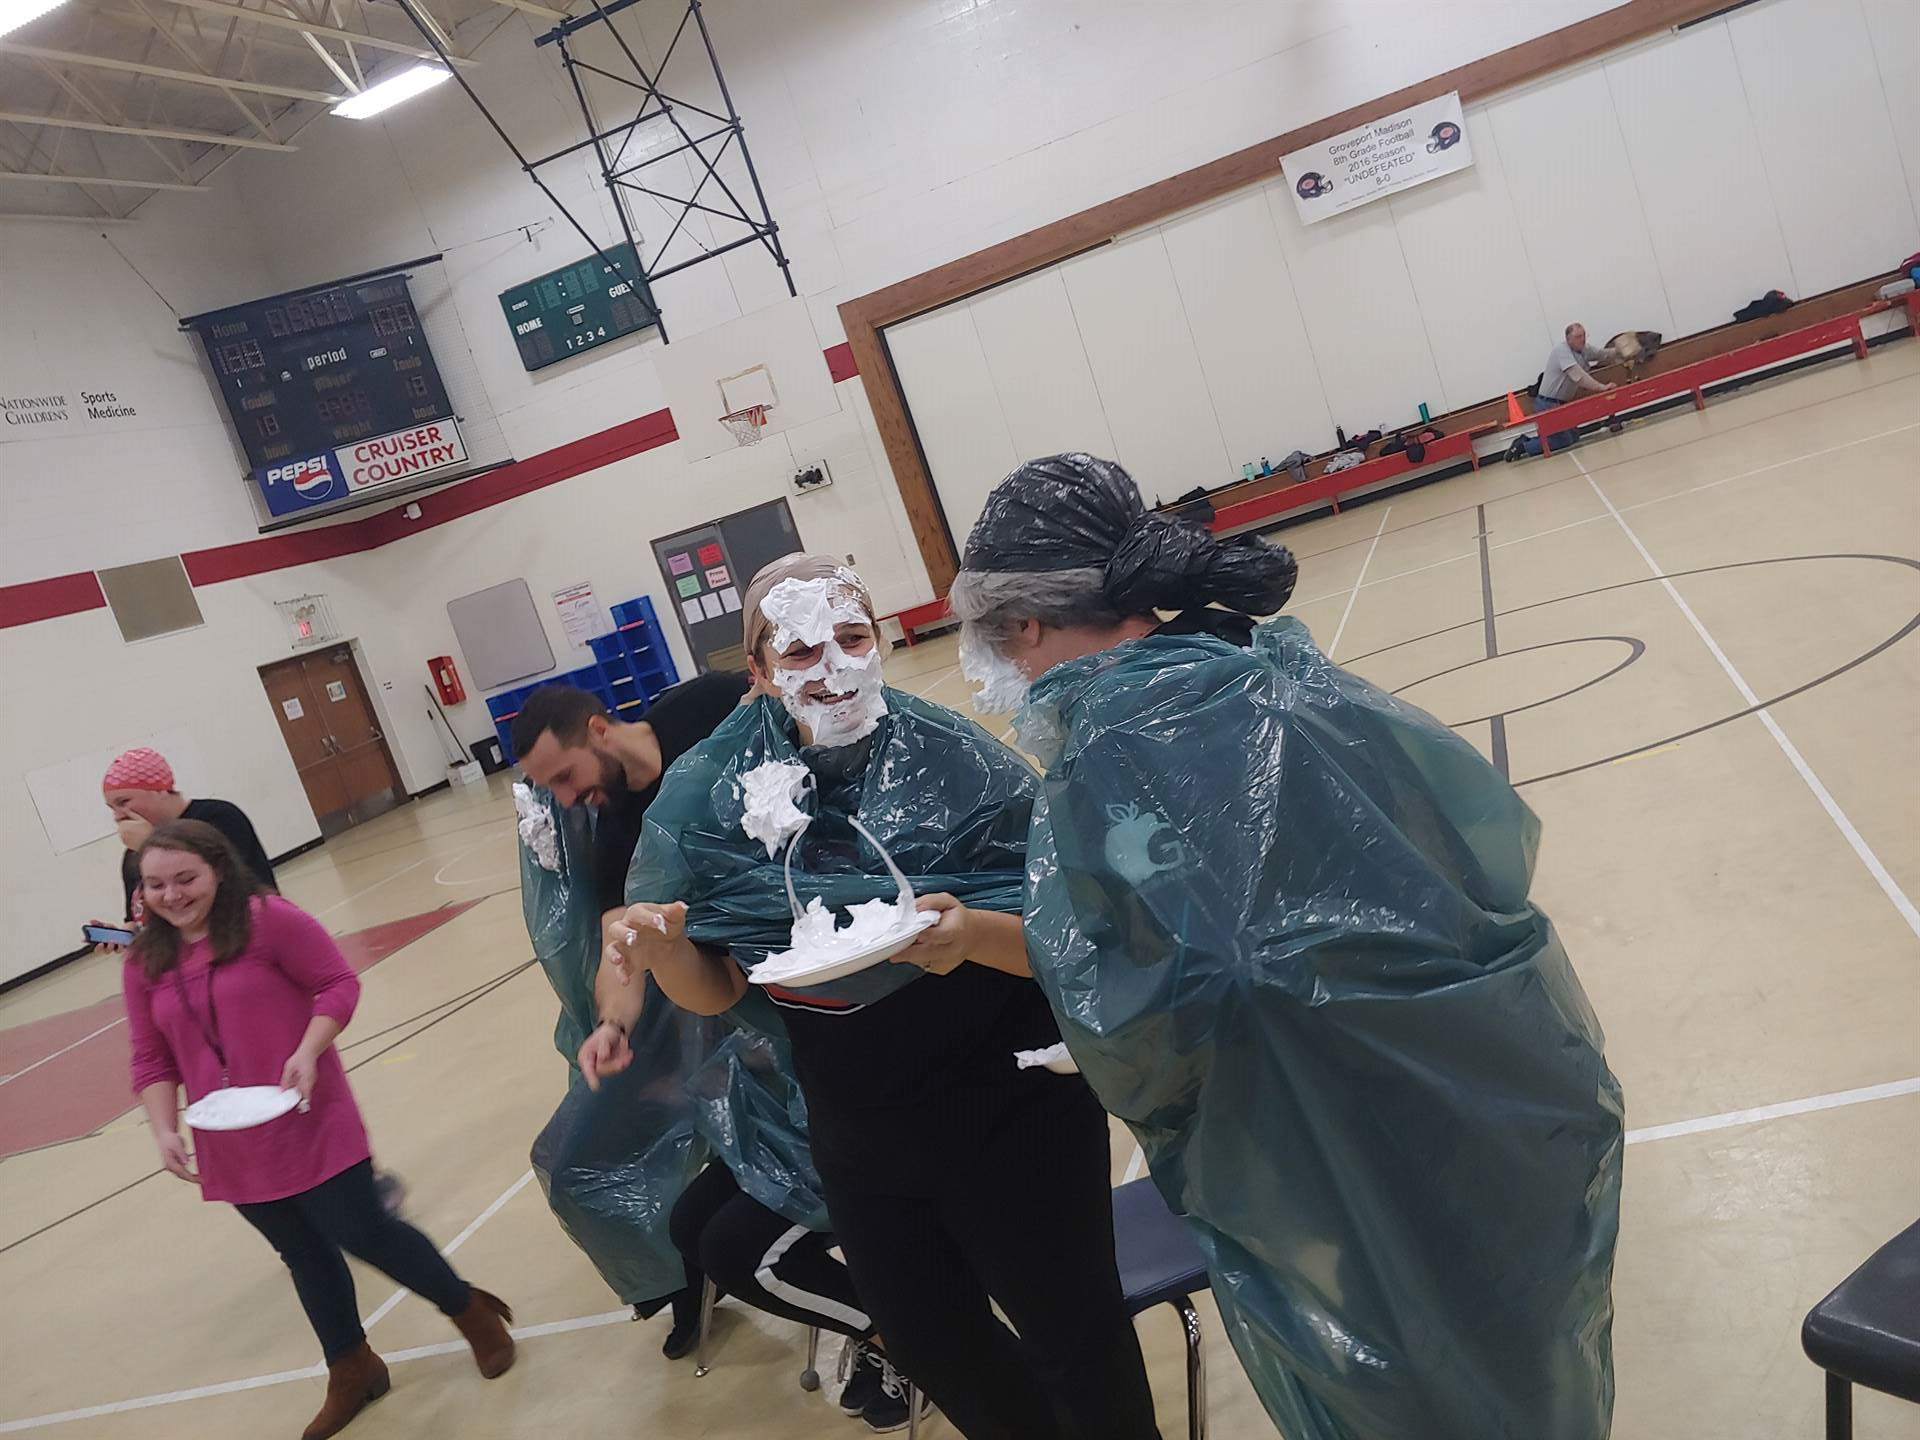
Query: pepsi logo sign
[311, 478]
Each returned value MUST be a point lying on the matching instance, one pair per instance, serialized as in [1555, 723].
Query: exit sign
[568, 312]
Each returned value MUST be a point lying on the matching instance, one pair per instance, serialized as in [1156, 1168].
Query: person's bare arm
[1588, 385]
[963, 935]
[162, 1102]
[653, 938]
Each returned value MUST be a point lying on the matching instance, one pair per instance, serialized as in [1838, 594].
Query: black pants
[312, 1228]
[1018, 1210]
[762, 1257]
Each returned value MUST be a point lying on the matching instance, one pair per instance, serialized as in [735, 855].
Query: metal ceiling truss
[720, 133]
[124, 98]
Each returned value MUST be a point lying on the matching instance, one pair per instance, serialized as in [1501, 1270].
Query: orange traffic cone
[1515, 415]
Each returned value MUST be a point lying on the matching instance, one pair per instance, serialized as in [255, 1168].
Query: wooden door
[321, 706]
[367, 771]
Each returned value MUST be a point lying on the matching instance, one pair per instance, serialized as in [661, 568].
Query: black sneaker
[1516, 451]
[684, 1337]
[864, 1383]
[888, 1410]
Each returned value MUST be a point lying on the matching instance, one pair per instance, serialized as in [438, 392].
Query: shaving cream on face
[999, 687]
[808, 612]
[771, 816]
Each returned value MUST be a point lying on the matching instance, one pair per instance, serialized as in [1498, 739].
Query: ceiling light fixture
[15, 13]
[384, 96]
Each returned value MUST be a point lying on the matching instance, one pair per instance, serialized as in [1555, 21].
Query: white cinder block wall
[891, 136]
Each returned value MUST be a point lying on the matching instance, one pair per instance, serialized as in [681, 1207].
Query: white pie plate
[240, 1107]
[799, 978]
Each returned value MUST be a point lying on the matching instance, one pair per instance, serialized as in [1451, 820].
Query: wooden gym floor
[1706, 685]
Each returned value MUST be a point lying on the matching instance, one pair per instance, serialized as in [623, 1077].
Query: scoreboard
[332, 391]
[565, 312]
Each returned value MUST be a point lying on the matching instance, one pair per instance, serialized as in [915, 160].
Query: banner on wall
[38, 410]
[415, 453]
[1383, 157]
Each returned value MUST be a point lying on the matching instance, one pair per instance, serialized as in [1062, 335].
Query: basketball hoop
[746, 426]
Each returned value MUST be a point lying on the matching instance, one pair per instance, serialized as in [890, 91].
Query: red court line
[74, 1091]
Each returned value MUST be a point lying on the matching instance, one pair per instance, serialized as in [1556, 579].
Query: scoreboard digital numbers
[569, 311]
[332, 392]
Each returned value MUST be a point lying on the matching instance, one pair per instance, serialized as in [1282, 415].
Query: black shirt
[681, 718]
[231, 821]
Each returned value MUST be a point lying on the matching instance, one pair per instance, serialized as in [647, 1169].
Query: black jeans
[763, 1258]
[1016, 1207]
[312, 1228]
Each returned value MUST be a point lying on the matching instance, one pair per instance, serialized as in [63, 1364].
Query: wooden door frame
[351, 647]
[866, 317]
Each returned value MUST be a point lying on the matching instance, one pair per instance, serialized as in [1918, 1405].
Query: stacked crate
[630, 667]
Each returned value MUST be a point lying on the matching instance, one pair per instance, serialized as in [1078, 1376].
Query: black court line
[496, 983]
[1497, 723]
[1895, 638]
[1635, 649]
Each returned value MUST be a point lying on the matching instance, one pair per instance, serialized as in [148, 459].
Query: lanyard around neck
[209, 1028]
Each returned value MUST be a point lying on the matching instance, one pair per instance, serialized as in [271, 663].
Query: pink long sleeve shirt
[264, 997]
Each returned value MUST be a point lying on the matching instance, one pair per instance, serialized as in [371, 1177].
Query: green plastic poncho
[949, 803]
[613, 1161]
[749, 1111]
[1283, 921]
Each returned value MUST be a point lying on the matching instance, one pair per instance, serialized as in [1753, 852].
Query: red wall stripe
[49, 599]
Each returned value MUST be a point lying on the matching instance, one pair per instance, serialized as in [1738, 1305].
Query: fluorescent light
[387, 94]
[15, 13]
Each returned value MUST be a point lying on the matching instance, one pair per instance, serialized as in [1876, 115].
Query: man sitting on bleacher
[1565, 378]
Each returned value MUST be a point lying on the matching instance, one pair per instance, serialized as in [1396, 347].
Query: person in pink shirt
[228, 986]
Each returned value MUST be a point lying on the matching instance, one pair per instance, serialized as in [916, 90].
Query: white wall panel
[1713, 225]
[1248, 331]
[1040, 369]
[1470, 274]
[1827, 138]
[1579, 210]
[1151, 385]
[1895, 26]
[950, 394]
[1362, 317]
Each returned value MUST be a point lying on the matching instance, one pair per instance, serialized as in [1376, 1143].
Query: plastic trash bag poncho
[949, 803]
[612, 1162]
[749, 1111]
[1283, 921]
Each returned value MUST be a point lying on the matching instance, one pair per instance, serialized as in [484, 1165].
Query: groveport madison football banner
[1388, 155]
[333, 475]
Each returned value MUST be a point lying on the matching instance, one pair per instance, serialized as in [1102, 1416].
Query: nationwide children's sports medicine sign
[316, 480]
[1383, 157]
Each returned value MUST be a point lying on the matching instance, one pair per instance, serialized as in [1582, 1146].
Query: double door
[708, 568]
[328, 722]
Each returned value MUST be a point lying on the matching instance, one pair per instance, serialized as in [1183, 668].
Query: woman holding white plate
[953, 1178]
[238, 996]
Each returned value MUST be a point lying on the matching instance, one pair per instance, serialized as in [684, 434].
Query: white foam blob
[536, 827]
[999, 687]
[1054, 1058]
[770, 791]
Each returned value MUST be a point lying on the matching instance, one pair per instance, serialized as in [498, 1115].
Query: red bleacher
[1329, 488]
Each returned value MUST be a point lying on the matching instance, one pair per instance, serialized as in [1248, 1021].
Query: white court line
[1852, 836]
[1355, 593]
[386, 1306]
[117, 1020]
[1839, 1099]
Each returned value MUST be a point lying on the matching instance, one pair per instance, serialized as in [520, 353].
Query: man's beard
[613, 779]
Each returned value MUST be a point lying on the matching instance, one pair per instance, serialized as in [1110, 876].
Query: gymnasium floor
[1733, 886]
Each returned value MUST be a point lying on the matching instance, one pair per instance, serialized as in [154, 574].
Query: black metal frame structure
[718, 133]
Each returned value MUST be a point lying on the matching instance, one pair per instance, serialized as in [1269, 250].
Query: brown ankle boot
[354, 1382]
[484, 1323]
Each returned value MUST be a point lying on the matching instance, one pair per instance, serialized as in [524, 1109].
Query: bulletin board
[500, 635]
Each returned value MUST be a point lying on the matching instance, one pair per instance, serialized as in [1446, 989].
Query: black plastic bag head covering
[1078, 512]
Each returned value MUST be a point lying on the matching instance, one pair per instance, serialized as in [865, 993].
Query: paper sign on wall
[711, 555]
[710, 604]
[730, 600]
[681, 564]
[292, 709]
[718, 576]
[688, 585]
[336, 691]
[580, 614]
[691, 609]
[1388, 155]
